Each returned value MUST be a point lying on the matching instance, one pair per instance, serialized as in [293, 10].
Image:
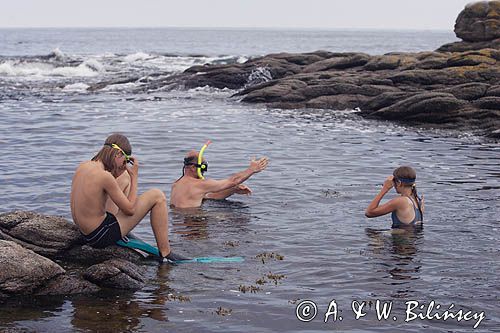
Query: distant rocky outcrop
[46, 255]
[456, 86]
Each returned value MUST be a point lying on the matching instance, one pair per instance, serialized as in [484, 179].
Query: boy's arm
[116, 195]
[125, 203]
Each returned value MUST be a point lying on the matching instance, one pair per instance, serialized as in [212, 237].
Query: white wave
[94, 65]
[259, 75]
[59, 55]
[80, 70]
[40, 69]
[137, 56]
[120, 87]
[242, 60]
[76, 87]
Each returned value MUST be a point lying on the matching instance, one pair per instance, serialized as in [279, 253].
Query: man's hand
[133, 171]
[242, 189]
[258, 165]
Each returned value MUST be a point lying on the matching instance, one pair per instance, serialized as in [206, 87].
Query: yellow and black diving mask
[127, 156]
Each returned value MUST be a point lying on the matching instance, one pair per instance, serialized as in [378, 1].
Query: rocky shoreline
[455, 87]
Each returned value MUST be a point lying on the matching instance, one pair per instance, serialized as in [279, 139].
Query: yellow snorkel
[201, 167]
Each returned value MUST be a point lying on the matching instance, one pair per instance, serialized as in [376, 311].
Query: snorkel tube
[200, 166]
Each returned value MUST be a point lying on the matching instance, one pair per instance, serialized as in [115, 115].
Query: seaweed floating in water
[223, 312]
[232, 243]
[180, 298]
[270, 277]
[267, 255]
[252, 289]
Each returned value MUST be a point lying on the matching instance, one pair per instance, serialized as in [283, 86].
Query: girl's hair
[407, 176]
[107, 153]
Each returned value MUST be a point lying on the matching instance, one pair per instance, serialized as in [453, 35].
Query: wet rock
[116, 273]
[46, 235]
[22, 271]
[479, 21]
[231, 77]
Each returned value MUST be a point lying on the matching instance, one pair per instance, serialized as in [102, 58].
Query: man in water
[189, 190]
[95, 189]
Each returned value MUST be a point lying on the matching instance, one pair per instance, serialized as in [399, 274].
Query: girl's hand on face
[388, 183]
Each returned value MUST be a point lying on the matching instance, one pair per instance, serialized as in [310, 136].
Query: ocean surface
[307, 208]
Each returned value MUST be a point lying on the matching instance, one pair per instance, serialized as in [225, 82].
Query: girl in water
[408, 208]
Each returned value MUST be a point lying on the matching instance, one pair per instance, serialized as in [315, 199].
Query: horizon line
[230, 28]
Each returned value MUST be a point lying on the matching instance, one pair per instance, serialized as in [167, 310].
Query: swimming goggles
[405, 180]
[115, 146]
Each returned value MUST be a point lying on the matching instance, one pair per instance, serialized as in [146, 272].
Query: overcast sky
[360, 14]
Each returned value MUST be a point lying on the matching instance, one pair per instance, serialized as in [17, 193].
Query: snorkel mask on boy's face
[115, 146]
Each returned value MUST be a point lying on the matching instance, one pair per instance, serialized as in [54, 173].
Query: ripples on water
[308, 206]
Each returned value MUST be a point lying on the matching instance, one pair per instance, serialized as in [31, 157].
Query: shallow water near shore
[307, 207]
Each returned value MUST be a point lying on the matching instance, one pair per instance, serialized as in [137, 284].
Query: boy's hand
[134, 169]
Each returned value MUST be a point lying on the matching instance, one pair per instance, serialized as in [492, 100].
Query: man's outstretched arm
[238, 189]
[256, 166]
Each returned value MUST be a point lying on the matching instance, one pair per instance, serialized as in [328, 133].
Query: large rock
[22, 271]
[55, 237]
[479, 21]
[46, 235]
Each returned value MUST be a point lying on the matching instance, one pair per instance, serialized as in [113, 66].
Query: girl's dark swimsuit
[396, 223]
[108, 233]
